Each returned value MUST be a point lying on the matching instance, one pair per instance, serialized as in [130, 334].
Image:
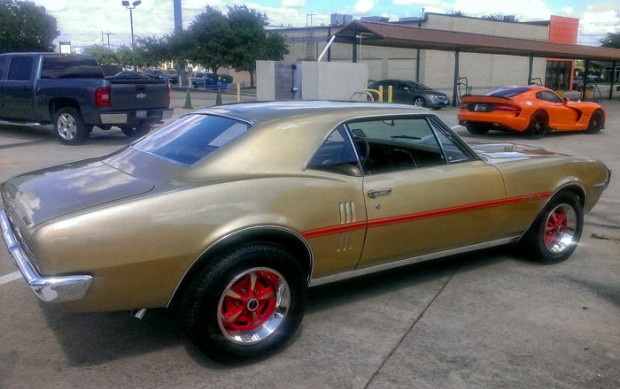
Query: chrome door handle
[375, 193]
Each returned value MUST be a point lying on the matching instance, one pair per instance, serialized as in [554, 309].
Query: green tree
[250, 41]
[125, 56]
[150, 51]
[210, 38]
[25, 26]
[103, 54]
[612, 39]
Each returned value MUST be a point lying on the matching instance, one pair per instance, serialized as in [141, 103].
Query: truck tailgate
[138, 94]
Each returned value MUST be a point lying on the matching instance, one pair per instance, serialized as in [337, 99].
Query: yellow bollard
[389, 93]
[238, 93]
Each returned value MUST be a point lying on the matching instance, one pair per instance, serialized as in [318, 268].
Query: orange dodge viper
[531, 109]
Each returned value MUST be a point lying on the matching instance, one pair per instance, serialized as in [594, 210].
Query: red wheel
[556, 232]
[253, 305]
[246, 303]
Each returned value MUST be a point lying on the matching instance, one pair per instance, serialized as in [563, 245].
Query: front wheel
[246, 304]
[69, 127]
[419, 102]
[556, 232]
[596, 122]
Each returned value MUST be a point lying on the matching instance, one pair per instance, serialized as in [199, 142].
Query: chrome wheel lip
[283, 301]
[565, 236]
[66, 126]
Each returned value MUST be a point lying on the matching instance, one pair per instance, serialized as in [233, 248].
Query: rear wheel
[596, 122]
[136, 132]
[245, 304]
[69, 127]
[556, 232]
[477, 130]
[538, 125]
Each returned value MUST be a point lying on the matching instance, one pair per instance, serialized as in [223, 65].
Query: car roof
[333, 111]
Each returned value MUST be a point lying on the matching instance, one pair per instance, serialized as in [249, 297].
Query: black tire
[69, 127]
[539, 125]
[477, 130]
[136, 132]
[596, 122]
[419, 102]
[556, 231]
[256, 326]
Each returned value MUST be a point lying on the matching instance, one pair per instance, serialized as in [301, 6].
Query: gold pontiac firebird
[230, 213]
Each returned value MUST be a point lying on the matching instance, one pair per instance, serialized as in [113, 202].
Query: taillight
[102, 97]
[507, 107]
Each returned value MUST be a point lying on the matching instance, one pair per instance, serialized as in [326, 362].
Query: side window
[451, 149]
[70, 67]
[336, 154]
[20, 68]
[3, 61]
[549, 96]
[396, 144]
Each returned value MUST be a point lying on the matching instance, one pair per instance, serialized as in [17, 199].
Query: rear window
[192, 138]
[507, 92]
[70, 67]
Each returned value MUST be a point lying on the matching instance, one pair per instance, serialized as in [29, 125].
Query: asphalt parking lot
[489, 319]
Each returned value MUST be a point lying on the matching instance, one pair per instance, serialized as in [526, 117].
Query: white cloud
[598, 20]
[420, 3]
[363, 6]
[293, 3]
[524, 10]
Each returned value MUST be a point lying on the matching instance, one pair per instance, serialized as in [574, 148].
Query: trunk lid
[42, 195]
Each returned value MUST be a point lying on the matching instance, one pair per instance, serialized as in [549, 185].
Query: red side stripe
[340, 228]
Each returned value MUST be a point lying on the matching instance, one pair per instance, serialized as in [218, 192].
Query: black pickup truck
[71, 92]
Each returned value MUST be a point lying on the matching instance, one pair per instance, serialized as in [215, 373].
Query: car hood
[508, 152]
[41, 195]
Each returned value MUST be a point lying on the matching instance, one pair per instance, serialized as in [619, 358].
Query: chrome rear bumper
[49, 289]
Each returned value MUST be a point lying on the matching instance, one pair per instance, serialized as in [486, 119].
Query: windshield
[192, 138]
[507, 92]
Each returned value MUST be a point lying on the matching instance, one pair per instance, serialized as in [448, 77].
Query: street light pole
[131, 8]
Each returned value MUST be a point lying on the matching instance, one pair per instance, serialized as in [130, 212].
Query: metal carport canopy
[396, 35]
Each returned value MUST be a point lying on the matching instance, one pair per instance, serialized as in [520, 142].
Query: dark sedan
[411, 92]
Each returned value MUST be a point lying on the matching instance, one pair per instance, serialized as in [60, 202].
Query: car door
[402, 93]
[3, 68]
[424, 191]
[18, 88]
[561, 116]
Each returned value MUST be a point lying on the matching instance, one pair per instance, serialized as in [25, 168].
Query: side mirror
[566, 100]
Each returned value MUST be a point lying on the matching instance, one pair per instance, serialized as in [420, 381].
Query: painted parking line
[10, 277]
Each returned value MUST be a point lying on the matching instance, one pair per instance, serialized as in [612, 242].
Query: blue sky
[83, 22]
